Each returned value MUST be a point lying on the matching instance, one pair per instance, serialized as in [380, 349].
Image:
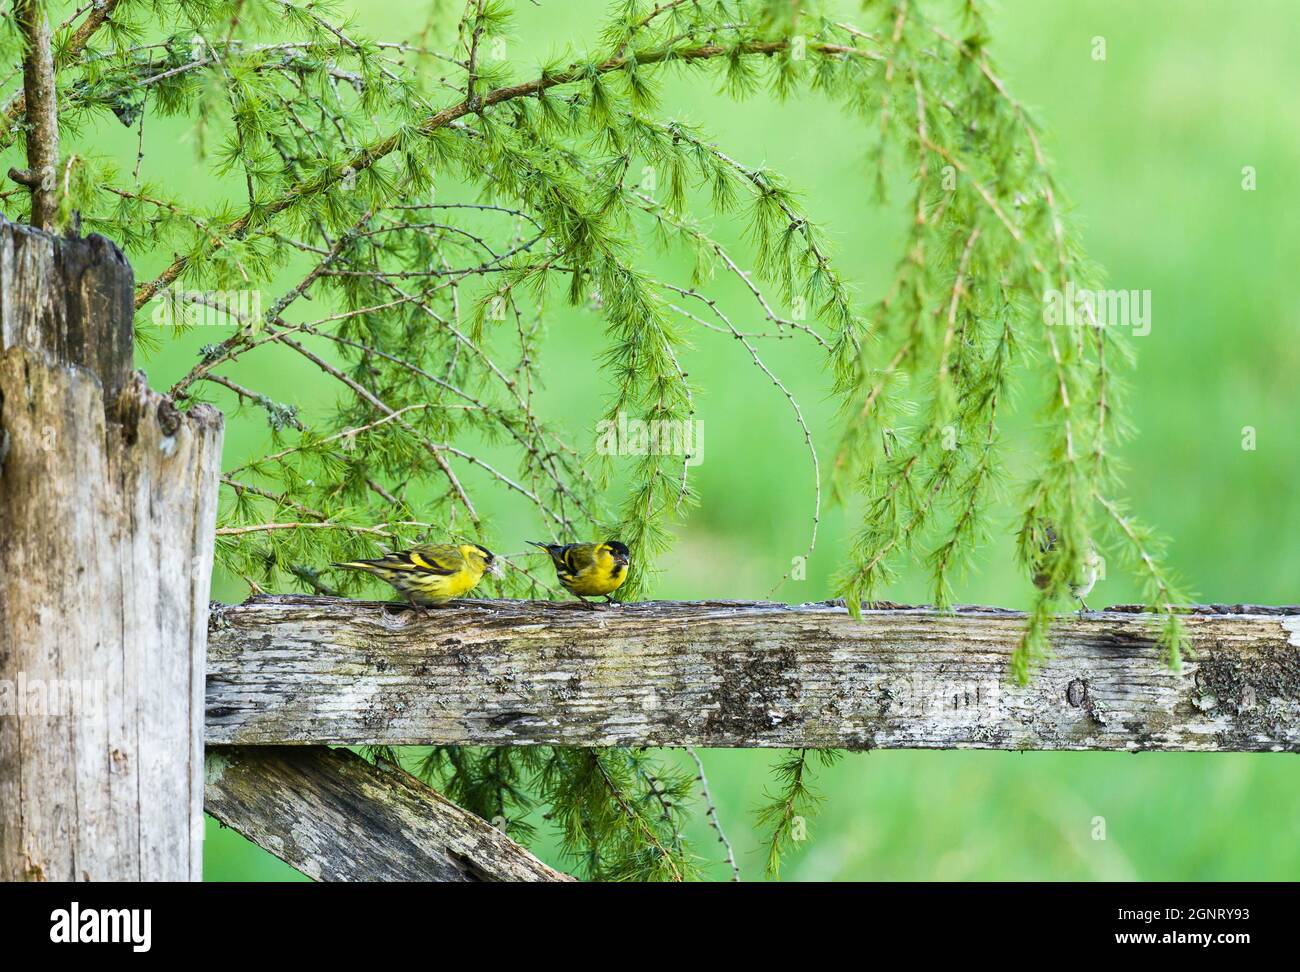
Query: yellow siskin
[589, 569]
[433, 573]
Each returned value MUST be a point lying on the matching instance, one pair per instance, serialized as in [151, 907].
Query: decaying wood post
[336, 817]
[107, 512]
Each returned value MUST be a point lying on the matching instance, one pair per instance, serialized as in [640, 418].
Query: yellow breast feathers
[589, 569]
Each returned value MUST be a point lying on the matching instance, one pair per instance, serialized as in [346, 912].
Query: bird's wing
[436, 559]
[579, 557]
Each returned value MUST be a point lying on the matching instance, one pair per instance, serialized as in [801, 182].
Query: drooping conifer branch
[382, 148]
[97, 14]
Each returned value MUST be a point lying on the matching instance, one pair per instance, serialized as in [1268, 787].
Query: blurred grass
[1150, 144]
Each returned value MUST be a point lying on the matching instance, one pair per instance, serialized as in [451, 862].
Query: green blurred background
[1151, 143]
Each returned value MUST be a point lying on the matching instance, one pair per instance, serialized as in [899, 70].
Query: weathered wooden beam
[108, 501]
[336, 817]
[322, 670]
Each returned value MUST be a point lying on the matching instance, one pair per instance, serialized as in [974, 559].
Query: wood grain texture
[107, 515]
[297, 669]
[55, 293]
[336, 817]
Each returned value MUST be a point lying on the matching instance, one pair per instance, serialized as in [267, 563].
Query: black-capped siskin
[433, 573]
[589, 569]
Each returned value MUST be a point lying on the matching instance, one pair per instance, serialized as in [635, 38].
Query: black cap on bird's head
[619, 549]
[489, 558]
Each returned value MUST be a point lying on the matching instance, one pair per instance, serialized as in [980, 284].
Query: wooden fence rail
[312, 670]
[336, 817]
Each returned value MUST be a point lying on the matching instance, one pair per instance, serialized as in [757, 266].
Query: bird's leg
[417, 609]
[1083, 607]
[609, 599]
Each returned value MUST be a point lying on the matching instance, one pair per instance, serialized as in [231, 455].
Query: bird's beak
[497, 570]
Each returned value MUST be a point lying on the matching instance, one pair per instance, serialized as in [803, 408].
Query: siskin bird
[432, 573]
[589, 569]
[1092, 568]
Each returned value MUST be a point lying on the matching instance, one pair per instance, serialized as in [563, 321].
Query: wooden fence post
[107, 512]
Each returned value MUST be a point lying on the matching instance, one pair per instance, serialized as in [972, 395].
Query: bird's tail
[370, 565]
[551, 548]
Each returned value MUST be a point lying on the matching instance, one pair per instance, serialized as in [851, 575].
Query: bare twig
[711, 809]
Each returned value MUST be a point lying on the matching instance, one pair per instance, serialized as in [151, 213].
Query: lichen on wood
[294, 669]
